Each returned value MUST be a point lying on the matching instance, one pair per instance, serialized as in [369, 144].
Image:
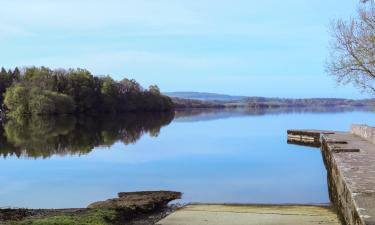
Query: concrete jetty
[350, 161]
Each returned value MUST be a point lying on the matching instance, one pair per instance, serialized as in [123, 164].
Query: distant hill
[204, 96]
[213, 100]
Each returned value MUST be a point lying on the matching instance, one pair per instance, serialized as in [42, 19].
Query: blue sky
[241, 47]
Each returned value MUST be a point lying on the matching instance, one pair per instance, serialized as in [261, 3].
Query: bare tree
[352, 56]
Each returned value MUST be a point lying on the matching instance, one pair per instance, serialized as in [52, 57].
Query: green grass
[92, 217]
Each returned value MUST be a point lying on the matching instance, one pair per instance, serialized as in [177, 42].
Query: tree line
[43, 91]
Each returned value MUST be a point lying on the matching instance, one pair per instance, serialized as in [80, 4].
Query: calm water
[213, 156]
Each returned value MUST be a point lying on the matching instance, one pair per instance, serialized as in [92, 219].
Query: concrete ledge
[252, 215]
[364, 131]
[306, 137]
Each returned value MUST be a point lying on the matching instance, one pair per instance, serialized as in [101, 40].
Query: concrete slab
[309, 132]
[351, 171]
[251, 215]
[306, 137]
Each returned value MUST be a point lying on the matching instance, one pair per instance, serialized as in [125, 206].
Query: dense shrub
[16, 100]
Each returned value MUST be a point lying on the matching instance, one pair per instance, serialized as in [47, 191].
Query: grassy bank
[97, 217]
[81, 216]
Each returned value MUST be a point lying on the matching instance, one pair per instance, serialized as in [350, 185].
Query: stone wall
[339, 193]
[365, 132]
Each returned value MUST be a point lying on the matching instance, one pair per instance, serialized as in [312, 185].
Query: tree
[16, 75]
[49, 102]
[154, 89]
[352, 56]
[17, 100]
[110, 93]
[5, 82]
[127, 86]
[84, 88]
[22, 100]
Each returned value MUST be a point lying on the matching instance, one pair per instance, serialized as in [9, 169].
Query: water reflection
[68, 135]
[42, 137]
[212, 157]
[190, 115]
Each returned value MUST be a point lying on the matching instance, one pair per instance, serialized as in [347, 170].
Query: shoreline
[140, 208]
[23, 215]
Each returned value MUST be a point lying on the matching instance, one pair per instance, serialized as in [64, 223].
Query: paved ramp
[251, 215]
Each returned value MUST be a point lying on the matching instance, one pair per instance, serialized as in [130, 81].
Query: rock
[144, 201]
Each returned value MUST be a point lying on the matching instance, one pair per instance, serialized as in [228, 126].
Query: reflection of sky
[238, 159]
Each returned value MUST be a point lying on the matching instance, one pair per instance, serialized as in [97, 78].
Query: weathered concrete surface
[351, 173]
[251, 215]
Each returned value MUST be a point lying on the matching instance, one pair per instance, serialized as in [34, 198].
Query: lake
[212, 156]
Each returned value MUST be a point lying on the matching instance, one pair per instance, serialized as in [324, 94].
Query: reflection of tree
[46, 136]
